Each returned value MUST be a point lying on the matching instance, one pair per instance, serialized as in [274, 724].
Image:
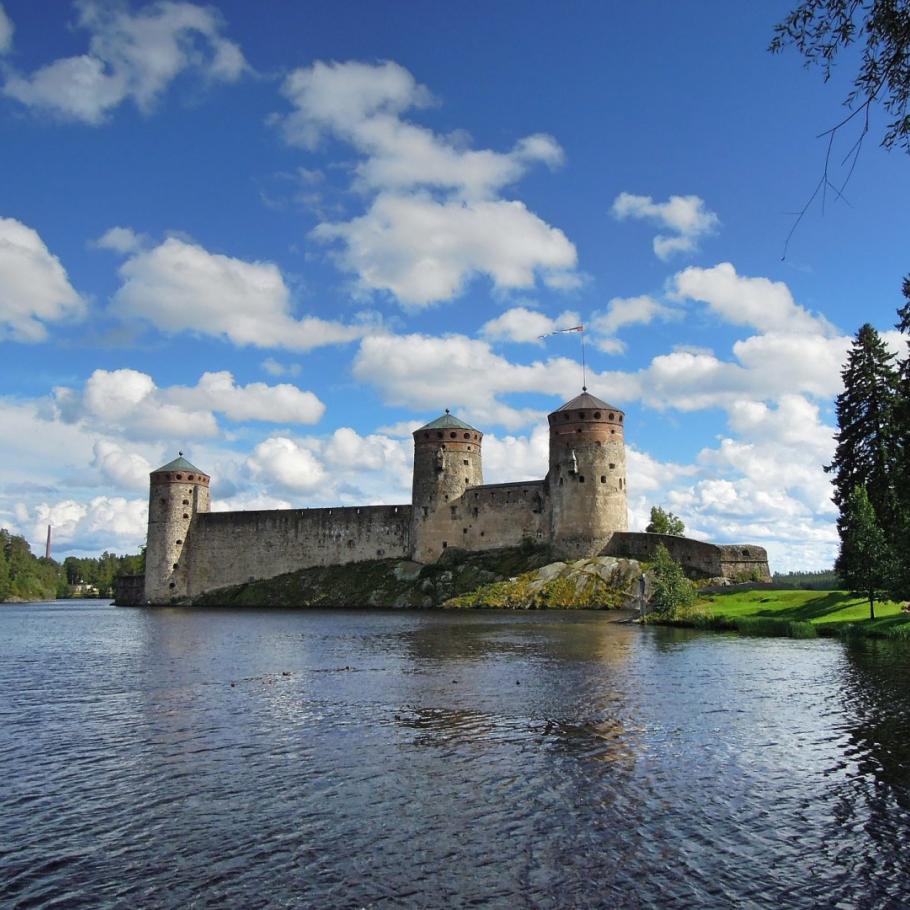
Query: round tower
[177, 491]
[587, 475]
[446, 462]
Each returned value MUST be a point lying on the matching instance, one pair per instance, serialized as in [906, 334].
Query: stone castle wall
[228, 548]
[699, 559]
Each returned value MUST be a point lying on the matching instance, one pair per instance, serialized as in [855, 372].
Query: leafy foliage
[22, 575]
[672, 591]
[665, 523]
[821, 29]
[865, 561]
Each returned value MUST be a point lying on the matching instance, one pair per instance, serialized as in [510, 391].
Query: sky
[279, 237]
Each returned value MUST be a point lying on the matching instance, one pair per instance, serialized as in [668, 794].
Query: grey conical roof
[178, 464]
[587, 401]
[447, 422]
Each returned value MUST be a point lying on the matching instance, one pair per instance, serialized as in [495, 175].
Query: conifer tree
[901, 444]
[865, 562]
[865, 453]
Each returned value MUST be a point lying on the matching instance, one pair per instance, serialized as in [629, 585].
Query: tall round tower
[178, 490]
[587, 475]
[446, 462]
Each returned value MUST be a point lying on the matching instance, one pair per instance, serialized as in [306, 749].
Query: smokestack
[47, 549]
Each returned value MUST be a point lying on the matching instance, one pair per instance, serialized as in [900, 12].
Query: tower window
[444, 544]
[597, 415]
[482, 533]
[186, 502]
[464, 530]
[454, 511]
[452, 435]
[467, 480]
[178, 542]
[163, 500]
[603, 478]
[467, 435]
[176, 565]
[612, 466]
[185, 515]
[179, 477]
[578, 430]
[620, 418]
[581, 479]
[172, 585]
[611, 416]
[612, 432]
[582, 415]
[465, 460]
[439, 435]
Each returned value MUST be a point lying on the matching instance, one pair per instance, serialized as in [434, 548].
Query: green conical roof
[448, 422]
[179, 464]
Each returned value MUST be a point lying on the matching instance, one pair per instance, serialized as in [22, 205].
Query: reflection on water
[173, 758]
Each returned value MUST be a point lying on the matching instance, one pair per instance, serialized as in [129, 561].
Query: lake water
[176, 758]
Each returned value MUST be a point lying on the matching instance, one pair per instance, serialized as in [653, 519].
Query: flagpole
[584, 368]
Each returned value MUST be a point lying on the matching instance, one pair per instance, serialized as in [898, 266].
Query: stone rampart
[500, 515]
[230, 548]
[699, 559]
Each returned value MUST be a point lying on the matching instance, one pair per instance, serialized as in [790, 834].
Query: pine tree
[865, 453]
[901, 444]
[866, 561]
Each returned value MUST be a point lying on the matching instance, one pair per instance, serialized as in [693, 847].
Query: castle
[578, 509]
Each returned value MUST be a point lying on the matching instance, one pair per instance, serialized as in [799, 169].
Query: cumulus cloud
[121, 240]
[740, 300]
[34, 287]
[132, 55]
[520, 324]
[424, 251]
[128, 402]
[686, 216]
[623, 311]
[179, 286]
[6, 32]
[406, 370]
[101, 523]
[436, 218]
[287, 465]
[127, 470]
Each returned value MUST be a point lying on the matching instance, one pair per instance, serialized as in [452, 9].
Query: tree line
[24, 576]
[871, 466]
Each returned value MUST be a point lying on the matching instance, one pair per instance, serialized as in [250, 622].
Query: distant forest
[823, 580]
[24, 576]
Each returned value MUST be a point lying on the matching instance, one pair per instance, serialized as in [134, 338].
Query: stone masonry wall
[230, 548]
[499, 515]
[699, 559]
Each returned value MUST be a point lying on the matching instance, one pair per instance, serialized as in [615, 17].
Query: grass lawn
[801, 614]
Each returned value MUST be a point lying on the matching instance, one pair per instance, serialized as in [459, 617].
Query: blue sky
[279, 240]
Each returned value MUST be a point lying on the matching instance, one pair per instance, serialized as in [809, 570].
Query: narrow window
[444, 544]
[454, 511]
[581, 479]
[176, 565]
[482, 533]
[612, 466]
[597, 415]
[603, 478]
[179, 542]
[172, 585]
[464, 530]
[186, 502]
[452, 435]
[466, 461]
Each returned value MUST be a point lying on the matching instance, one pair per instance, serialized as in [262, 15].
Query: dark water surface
[172, 758]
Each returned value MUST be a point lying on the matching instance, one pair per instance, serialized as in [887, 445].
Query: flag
[575, 328]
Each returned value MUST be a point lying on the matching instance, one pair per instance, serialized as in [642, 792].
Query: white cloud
[34, 287]
[436, 217]
[520, 324]
[623, 311]
[102, 523]
[132, 56]
[287, 465]
[406, 370]
[424, 251]
[685, 215]
[128, 402]
[121, 240]
[6, 32]
[758, 302]
[179, 286]
[126, 470]
[274, 368]
[282, 403]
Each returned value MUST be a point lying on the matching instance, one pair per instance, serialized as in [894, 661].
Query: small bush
[673, 592]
